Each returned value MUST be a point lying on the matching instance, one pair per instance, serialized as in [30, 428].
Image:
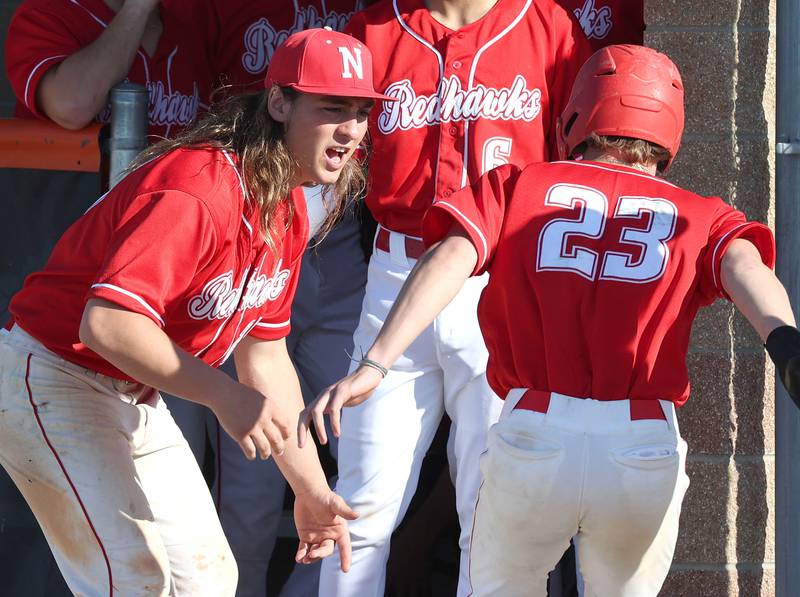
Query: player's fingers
[341, 508]
[261, 444]
[319, 420]
[345, 551]
[303, 423]
[334, 410]
[322, 550]
[274, 437]
[283, 426]
[248, 447]
[302, 551]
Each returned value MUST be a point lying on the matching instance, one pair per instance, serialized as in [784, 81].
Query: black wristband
[783, 346]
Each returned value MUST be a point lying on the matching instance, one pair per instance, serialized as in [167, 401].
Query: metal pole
[128, 127]
[787, 232]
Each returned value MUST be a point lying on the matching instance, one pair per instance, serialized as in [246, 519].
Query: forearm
[266, 366]
[754, 289]
[139, 348]
[75, 91]
[433, 283]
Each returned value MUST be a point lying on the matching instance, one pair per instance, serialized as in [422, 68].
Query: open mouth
[336, 155]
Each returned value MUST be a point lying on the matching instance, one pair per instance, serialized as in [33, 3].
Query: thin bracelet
[375, 365]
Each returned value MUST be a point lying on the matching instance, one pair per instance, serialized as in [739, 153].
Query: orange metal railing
[43, 145]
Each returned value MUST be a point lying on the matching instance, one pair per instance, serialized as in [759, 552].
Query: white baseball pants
[110, 479]
[581, 469]
[385, 439]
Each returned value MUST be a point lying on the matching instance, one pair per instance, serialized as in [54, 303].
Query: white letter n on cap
[349, 60]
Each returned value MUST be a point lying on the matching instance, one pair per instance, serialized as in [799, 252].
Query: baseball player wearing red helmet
[192, 257]
[598, 268]
[478, 84]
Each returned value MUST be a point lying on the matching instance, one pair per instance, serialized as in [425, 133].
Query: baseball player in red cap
[249, 495]
[192, 257]
[598, 268]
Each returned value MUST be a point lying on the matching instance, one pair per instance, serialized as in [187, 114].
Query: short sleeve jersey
[176, 241]
[43, 33]
[596, 274]
[607, 22]
[245, 33]
[468, 100]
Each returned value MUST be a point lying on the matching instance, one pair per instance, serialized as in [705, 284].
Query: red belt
[414, 246]
[539, 402]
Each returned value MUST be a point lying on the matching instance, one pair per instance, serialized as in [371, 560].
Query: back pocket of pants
[523, 465]
[648, 456]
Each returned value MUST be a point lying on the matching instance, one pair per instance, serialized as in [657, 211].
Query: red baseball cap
[324, 62]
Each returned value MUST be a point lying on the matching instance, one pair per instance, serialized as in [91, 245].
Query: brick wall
[726, 52]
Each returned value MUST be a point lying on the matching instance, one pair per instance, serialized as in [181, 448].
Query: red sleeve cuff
[28, 95]
[437, 223]
[126, 299]
[265, 330]
[758, 234]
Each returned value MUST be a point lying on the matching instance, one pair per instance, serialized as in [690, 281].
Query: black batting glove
[783, 346]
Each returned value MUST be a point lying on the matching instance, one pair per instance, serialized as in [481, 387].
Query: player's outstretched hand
[321, 522]
[349, 391]
[254, 421]
[783, 346]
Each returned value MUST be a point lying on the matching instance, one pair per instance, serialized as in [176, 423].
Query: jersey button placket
[452, 131]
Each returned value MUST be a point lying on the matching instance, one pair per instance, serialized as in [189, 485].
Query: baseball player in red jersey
[598, 269]
[250, 494]
[607, 22]
[62, 59]
[193, 257]
[462, 108]
[244, 34]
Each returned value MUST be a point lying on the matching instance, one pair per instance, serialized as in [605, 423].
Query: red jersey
[607, 22]
[44, 33]
[469, 100]
[596, 274]
[176, 241]
[245, 33]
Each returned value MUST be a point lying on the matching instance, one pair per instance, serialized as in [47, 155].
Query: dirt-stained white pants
[583, 469]
[110, 479]
[385, 439]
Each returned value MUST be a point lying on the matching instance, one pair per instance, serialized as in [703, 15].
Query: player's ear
[278, 104]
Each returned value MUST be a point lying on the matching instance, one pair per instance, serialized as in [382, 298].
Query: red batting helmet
[624, 91]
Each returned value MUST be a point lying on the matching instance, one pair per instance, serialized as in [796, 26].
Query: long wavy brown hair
[242, 125]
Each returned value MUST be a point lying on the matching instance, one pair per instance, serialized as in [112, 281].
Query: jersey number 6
[592, 206]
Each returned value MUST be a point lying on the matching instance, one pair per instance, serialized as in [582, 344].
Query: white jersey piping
[135, 297]
[440, 60]
[471, 80]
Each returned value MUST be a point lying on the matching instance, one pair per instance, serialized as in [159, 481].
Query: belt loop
[510, 403]
[397, 249]
[670, 415]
